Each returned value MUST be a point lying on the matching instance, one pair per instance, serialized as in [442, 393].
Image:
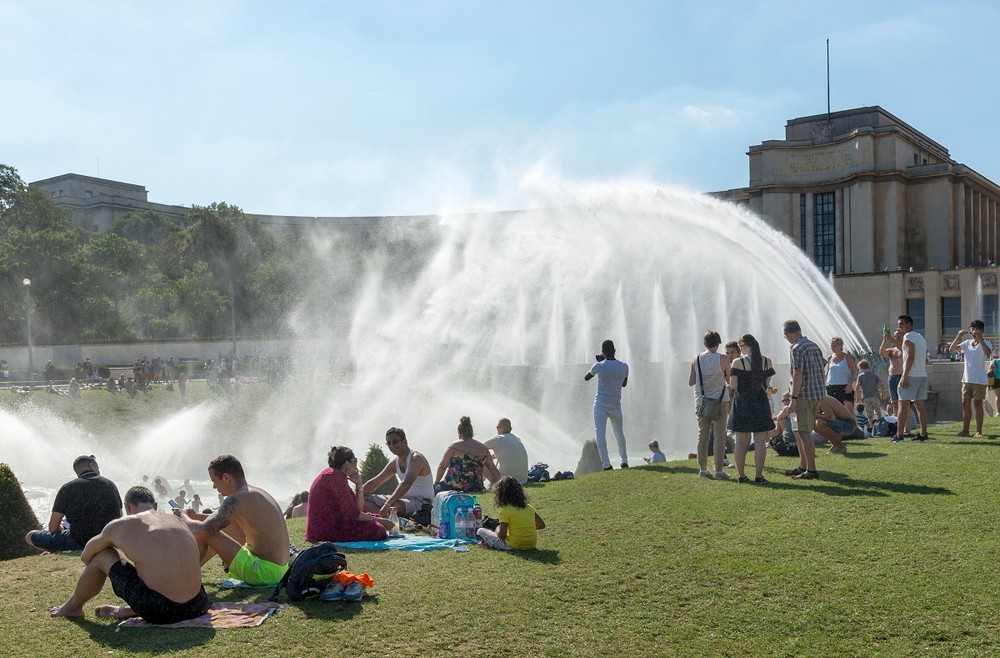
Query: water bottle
[394, 520]
[444, 530]
[470, 524]
[477, 511]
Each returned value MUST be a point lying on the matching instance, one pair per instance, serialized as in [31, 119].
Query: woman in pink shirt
[335, 511]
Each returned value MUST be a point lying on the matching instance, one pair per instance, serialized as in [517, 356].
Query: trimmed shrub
[374, 462]
[590, 460]
[16, 517]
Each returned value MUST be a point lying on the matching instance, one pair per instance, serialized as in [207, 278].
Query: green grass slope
[891, 553]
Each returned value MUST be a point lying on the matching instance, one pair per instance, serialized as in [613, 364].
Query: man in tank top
[416, 486]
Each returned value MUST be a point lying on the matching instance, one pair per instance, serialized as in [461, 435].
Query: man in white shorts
[913, 384]
[976, 352]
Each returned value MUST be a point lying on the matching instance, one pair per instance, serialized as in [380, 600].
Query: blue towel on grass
[404, 543]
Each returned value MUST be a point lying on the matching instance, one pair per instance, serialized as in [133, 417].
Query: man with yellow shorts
[248, 531]
[976, 353]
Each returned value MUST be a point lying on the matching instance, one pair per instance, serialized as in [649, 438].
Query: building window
[824, 232]
[951, 316]
[802, 221]
[991, 308]
[915, 159]
[915, 309]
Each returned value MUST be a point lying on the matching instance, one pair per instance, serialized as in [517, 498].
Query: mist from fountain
[500, 316]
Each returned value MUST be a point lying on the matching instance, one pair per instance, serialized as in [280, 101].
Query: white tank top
[714, 380]
[422, 487]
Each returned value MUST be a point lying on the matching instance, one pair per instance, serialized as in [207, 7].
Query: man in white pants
[612, 377]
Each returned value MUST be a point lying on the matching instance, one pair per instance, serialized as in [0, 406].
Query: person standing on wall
[612, 377]
[976, 353]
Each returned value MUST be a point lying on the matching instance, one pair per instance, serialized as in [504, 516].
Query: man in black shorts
[87, 503]
[162, 584]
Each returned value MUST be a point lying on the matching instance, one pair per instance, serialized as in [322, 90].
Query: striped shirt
[806, 357]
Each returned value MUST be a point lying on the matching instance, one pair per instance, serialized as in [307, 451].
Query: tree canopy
[149, 276]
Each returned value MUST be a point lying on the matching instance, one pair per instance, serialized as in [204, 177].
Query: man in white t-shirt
[977, 352]
[913, 383]
[512, 458]
[612, 377]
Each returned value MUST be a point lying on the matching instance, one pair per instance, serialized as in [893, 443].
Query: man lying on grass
[162, 584]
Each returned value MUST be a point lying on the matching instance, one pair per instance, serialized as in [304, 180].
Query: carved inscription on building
[807, 163]
[989, 279]
[915, 283]
[951, 282]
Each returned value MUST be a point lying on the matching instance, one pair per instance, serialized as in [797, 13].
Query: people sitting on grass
[74, 388]
[519, 522]
[415, 488]
[87, 503]
[463, 463]
[247, 531]
[299, 507]
[511, 456]
[336, 512]
[162, 581]
[656, 457]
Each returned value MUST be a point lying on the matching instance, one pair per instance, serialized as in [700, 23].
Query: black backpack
[319, 560]
[781, 445]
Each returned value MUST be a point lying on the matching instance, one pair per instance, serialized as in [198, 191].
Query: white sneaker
[726, 463]
[704, 474]
[721, 475]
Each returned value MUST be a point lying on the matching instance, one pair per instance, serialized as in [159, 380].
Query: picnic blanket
[220, 615]
[404, 543]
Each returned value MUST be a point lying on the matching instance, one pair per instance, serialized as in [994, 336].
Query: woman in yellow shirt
[519, 522]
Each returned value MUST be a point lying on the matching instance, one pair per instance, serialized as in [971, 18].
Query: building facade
[884, 210]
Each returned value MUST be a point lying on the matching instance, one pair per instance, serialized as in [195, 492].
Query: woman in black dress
[749, 377]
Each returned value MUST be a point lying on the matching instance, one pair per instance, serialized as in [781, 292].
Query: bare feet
[963, 433]
[979, 435]
[114, 612]
[838, 450]
[65, 611]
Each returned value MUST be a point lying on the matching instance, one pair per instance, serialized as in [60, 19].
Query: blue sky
[334, 108]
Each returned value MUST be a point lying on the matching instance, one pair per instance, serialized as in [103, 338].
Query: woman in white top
[841, 373]
[709, 376]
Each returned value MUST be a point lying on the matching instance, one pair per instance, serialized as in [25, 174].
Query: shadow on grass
[865, 455]
[341, 610]
[836, 484]
[145, 640]
[540, 555]
[978, 442]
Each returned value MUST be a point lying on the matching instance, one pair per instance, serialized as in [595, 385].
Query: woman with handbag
[749, 377]
[709, 376]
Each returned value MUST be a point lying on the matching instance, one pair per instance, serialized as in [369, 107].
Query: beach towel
[404, 543]
[220, 615]
[233, 583]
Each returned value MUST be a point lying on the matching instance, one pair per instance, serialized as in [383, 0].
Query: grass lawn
[891, 553]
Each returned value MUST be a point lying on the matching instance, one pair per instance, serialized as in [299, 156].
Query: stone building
[883, 208]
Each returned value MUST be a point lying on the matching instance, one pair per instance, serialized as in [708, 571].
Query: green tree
[375, 461]
[145, 226]
[18, 517]
[112, 269]
[11, 187]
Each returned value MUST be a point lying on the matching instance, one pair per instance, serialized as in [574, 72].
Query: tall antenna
[98, 167]
[828, 81]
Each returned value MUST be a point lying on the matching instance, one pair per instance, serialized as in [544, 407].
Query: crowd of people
[161, 580]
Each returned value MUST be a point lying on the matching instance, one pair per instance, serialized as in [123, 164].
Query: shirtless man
[891, 349]
[833, 421]
[248, 530]
[412, 470]
[162, 584]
